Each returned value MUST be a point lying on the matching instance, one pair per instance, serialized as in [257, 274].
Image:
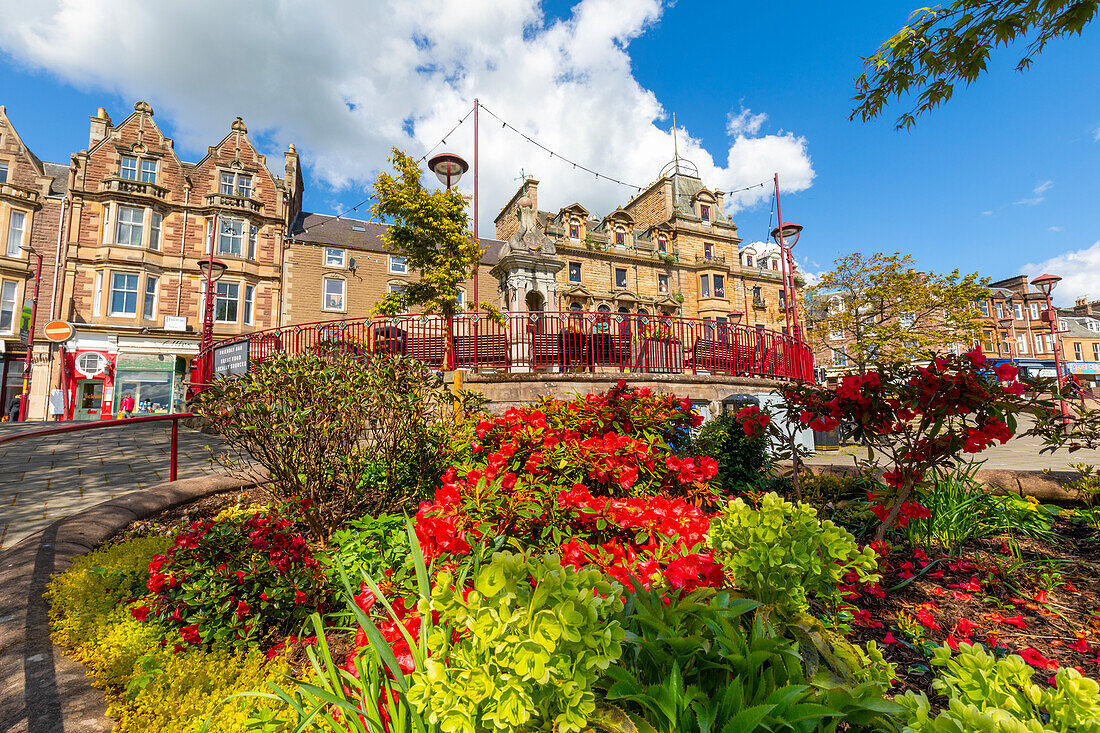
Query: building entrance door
[89, 399]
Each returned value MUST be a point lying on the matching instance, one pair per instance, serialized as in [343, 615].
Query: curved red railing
[174, 417]
[541, 341]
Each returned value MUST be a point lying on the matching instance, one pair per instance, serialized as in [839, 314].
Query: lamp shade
[448, 168]
[790, 232]
[212, 268]
[735, 317]
[1046, 283]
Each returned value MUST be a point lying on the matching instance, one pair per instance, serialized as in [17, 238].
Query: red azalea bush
[592, 478]
[923, 417]
[235, 581]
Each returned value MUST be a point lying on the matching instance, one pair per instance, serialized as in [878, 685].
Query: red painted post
[175, 444]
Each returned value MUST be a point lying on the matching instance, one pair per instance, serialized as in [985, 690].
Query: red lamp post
[1046, 283]
[28, 362]
[213, 270]
[786, 236]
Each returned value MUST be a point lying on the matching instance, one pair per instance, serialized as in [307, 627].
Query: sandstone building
[668, 250]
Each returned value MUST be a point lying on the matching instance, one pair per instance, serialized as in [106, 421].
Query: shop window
[124, 292]
[704, 286]
[7, 305]
[704, 213]
[128, 168]
[620, 277]
[249, 299]
[574, 272]
[17, 222]
[662, 283]
[148, 171]
[333, 294]
[398, 265]
[662, 244]
[150, 310]
[719, 286]
[131, 222]
[334, 257]
[231, 238]
[151, 390]
[91, 363]
[155, 223]
[226, 296]
[3, 172]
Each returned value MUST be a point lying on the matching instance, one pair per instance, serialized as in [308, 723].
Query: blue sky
[1002, 179]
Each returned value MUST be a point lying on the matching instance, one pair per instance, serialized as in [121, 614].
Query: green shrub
[238, 581]
[741, 459]
[370, 546]
[148, 686]
[782, 553]
[990, 694]
[533, 637]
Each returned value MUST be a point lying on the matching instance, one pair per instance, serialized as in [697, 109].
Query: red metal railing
[175, 418]
[543, 341]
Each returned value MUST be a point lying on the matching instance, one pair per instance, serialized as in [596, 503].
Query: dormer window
[662, 244]
[148, 170]
[748, 260]
[775, 264]
[704, 212]
[620, 238]
[236, 184]
[574, 230]
[128, 168]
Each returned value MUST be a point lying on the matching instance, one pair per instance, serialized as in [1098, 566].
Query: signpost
[231, 360]
[25, 322]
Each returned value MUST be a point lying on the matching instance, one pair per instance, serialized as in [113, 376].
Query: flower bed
[585, 563]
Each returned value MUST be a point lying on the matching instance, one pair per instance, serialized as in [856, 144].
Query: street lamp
[29, 360]
[1006, 324]
[735, 317]
[1046, 283]
[212, 270]
[448, 168]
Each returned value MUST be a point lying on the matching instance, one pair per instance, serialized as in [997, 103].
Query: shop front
[102, 369]
[1086, 372]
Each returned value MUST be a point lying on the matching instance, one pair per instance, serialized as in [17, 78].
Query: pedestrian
[13, 407]
[127, 405]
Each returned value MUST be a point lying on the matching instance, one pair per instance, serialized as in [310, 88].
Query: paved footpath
[43, 479]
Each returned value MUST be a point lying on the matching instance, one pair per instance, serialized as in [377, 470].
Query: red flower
[190, 634]
[926, 619]
[243, 609]
[140, 612]
[300, 597]
[889, 638]
[964, 627]
[1035, 658]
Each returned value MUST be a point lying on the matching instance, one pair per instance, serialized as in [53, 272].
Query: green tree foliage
[944, 45]
[886, 310]
[430, 229]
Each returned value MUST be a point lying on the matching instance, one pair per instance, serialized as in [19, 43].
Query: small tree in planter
[922, 417]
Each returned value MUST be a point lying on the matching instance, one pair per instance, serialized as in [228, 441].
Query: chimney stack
[101, 127]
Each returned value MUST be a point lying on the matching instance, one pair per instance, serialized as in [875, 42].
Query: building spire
[675, 144]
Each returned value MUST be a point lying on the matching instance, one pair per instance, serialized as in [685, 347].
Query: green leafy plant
[320, 424]
[782, 554]
[533, 636]
[741, 458]
[990, 694]
[372, 546]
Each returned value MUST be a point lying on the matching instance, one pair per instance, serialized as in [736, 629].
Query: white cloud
[1054, 229]
[987, 212]
[1079, 270]
[348, 79]
[1096, 135]
[1039, 192]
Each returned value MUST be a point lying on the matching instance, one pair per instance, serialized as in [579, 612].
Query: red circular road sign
[58, 331]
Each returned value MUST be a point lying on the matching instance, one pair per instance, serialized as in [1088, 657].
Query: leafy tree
[430, 228]
[886, 310]
[944, 45]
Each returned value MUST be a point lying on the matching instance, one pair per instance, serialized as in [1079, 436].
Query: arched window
[643, 312]
[604, 309]
[575, 306]
[662, 244]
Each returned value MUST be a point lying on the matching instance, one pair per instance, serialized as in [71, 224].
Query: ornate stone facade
[670, 249]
